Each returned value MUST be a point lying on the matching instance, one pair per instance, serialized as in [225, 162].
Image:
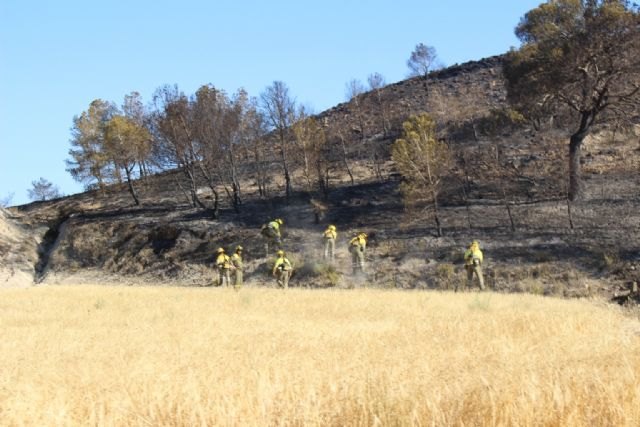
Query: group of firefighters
[230, 268]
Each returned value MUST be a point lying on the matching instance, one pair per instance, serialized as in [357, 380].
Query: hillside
[527, 237]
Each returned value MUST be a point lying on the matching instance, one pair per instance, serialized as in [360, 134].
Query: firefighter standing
[282, 270]
[272, 235]
[236, 263]
[330, 235]
[223, 264]
[357, 247]
[473, 259]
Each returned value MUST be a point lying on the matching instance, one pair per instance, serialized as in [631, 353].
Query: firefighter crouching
[473, 259]
[271, 233]
[282, 270]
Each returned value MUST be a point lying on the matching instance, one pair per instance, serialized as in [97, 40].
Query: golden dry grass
[202, 356]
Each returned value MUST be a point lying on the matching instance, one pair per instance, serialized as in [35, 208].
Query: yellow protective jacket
[223, 261]
[358, 242]
[282, 263]
[236, 261]
[275, 225]
[473, 253]
[330, 234]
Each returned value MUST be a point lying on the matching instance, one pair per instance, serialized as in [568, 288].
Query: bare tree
[251, 136]
[338, 137]
[312, 143]
[376, 83]
[422, 61]
[6, 200]
[209, 125]
[279, 110]
[173, 121]
[354, 90]
[42, 190]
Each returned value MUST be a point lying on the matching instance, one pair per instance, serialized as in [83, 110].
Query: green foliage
[421, 159]
[89, 160]
[577, 53]
[126, 141]
[106, 143]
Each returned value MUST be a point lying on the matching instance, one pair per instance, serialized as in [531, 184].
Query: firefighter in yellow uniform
[271, 233]
[223, 264]
[473, 259]
[330, 235]
[238, 268]
[282, 270]
[357, 247]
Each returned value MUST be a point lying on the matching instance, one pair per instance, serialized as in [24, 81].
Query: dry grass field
[149, 356]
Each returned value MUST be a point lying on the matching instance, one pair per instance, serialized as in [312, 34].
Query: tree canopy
[423, 162]
[580, 55]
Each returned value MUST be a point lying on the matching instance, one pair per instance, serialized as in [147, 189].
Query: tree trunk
[435, 213]
[132, 190]
[507, 205]
[193, 188]
[576, 190]
[184, 192]
[346, 161]
[569, 214]
[576, 187]
[287, 182]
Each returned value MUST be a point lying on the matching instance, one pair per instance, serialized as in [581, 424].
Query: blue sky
[58, 56]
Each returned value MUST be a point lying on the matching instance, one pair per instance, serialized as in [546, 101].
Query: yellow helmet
[363, 235]
[280, 253]
[279, 221]
[239, 248]
[220, 250]
[332, 227]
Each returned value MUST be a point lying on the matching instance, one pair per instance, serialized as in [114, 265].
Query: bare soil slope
[18, 252]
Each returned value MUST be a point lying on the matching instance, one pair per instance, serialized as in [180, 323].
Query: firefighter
[223, 264]
[236, 263]
[282, 270]
[271, 233]
[330, 235]
[357, 247]
[473, 259]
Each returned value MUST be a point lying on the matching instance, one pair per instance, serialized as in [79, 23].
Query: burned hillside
[506, 188]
